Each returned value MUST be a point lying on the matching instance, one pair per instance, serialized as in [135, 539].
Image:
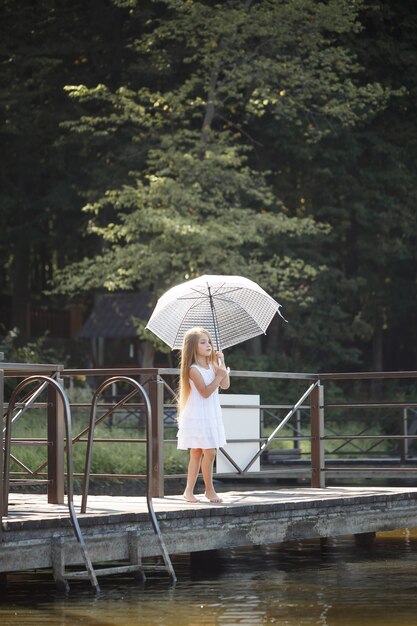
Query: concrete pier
[37, 534]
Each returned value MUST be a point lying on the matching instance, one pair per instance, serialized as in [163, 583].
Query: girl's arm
[202, 388]
[225, 382]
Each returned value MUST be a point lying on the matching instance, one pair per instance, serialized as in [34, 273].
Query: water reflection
[299, 583]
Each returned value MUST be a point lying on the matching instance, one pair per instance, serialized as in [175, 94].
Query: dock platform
[244, 518]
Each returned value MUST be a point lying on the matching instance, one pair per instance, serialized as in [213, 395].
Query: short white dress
[200, 423]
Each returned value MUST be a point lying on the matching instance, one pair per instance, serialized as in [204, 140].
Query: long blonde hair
[188, 357]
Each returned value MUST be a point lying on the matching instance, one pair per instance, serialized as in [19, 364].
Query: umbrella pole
[213, 312]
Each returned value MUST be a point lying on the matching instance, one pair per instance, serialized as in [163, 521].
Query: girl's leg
[207, 470]
[193, 470]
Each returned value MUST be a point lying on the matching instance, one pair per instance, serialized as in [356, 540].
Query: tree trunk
[254, 346]
[209, 115]
[273, 336]
[377, 358]
[20, 295]
[148, 355]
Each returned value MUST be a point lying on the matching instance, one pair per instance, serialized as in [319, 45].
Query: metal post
[156, 398]
[56, 445]
[1, 447]
[318, 479]
[404, 446]
[296, 444]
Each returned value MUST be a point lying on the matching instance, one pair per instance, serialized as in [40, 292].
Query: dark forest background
[146, 142]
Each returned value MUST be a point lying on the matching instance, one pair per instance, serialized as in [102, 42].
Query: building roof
[112, 315]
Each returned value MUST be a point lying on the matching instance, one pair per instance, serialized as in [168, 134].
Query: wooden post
[56, 446]
[365, 540]
[156, 398]
[318, 479]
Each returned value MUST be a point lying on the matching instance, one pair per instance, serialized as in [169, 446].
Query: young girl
[199, 414]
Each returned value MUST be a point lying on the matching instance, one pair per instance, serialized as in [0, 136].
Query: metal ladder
[135, 561]
[47, 380]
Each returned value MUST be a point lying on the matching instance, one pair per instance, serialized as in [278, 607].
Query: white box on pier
[241, 418]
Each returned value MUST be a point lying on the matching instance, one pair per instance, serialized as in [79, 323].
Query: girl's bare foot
[212, 496]
[189, 497]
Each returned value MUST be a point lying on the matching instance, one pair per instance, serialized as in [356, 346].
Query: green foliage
[146, 335]
[39, 53]
[36, 351]
[265, 138]
[201, 200]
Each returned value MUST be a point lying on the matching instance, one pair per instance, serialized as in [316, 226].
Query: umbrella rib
[220, 297]
[215, 288]
[215, 291]
[240, 306]
[223, 297]
[193, 306]
[202, 295]
[229, 290]
[233, 289]
[197, 302]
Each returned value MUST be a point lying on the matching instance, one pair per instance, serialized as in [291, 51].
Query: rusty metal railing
[59, 416]
[22, 370]
[320, 467]
[318, 433]
[136, 389]
[57, 388]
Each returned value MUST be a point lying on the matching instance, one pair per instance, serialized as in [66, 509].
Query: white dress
[200, 423]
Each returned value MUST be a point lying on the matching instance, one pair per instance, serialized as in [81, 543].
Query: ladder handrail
[70, 488]
[149, 466]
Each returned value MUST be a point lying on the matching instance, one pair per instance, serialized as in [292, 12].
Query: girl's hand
[223, 371]
[220, 357]
[220, 366]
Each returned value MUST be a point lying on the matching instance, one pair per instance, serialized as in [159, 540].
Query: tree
[273, 139]
[43, 47]
[361, 181]
[199, 196]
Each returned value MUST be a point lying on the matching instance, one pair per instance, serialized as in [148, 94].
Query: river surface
[291, 584]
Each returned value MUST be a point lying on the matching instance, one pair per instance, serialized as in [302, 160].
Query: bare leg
[207, 470]
[193, 470]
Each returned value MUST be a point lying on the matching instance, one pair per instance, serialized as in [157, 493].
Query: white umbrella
[232, 308]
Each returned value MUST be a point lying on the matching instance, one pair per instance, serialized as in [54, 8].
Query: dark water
[291, 584]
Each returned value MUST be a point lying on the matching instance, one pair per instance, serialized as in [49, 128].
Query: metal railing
[399, 411]
[18, 371]
[59, 416]
[50, 383]
[312, 435]
[162, 397]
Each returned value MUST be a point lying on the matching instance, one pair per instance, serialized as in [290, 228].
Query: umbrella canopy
[232, 308]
